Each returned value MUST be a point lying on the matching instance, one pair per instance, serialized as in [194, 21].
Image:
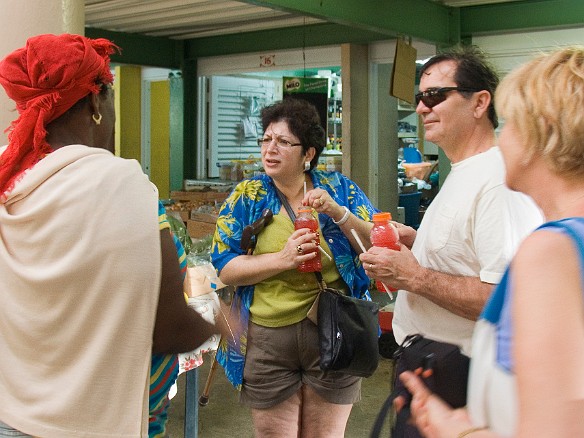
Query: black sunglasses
[433, 96]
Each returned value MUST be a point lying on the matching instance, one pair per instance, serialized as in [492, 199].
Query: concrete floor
[225, 417]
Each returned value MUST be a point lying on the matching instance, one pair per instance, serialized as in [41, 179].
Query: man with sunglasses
[473, 226]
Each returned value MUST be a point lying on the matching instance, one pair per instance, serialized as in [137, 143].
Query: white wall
[313, 57]
[21, 19]
[510, 50]
[383, 52]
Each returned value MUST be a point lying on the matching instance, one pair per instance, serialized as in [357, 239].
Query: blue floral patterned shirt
[244, 206]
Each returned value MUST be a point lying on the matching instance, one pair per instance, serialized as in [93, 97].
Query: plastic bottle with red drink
[384, 234]
[305, 219]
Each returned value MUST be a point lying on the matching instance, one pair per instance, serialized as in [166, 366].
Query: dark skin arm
[179, 328]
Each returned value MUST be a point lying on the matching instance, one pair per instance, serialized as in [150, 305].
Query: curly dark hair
[472, 71]
[303, 121]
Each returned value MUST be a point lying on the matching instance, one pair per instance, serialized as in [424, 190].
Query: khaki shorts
[8, 432]
[280, 360]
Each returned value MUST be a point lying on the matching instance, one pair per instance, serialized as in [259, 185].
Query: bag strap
[387, 404]
[378, 425]
[286, 204]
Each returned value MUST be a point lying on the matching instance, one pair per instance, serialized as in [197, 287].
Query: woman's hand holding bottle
[300, 247]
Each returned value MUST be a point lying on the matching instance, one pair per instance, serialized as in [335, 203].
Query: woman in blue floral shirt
[275, 360]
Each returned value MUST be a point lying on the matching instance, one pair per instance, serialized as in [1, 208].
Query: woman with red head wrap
[44, 88]
[90, 285]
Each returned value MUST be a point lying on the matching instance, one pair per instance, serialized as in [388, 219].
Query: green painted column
[356, 147]
[385, 153]
[176, 131]
[128, 101]
[189, 78]
[159, 137]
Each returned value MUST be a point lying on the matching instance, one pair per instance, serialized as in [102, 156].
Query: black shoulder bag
[448, 377]
[347, 332]
[347, 327]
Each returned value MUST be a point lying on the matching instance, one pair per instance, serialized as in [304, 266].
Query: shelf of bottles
[407, 125]
[335, 124]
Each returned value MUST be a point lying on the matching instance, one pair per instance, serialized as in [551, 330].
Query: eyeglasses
[280, 142]
[433, 96]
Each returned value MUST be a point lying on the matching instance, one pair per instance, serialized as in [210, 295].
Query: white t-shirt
[472, 228]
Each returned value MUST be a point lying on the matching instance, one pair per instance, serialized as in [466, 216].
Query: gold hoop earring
[97, 119]
[306, 166]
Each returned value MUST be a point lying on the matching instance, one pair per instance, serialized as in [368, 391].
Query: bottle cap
[378, 217]
[304, 209]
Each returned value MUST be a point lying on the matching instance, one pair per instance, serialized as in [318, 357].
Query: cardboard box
[203, 217]
[201, 280]
[404, 72]
[183, 214]
[198, 229]
[198, 196]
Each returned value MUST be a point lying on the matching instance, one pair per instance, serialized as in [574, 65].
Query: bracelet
[345, 217]
[469, 431]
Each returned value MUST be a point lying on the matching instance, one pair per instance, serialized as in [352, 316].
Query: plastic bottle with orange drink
[384, 234]
[305, 219]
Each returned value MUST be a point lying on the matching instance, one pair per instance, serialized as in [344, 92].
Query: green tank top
[285, 298]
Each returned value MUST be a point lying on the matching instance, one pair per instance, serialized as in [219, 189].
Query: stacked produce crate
[198, 210]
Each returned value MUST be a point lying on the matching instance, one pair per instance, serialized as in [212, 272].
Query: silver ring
[299, 249]
[370, 266]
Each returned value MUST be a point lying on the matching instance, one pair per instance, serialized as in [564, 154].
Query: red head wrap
[45, 79]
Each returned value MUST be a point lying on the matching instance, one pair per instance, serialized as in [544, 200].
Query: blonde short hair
[544, 99]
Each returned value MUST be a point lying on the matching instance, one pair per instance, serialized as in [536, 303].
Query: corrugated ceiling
[185, 19]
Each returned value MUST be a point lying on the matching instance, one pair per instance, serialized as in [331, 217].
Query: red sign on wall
[267, 60]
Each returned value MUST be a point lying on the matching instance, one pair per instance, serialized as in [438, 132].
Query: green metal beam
[190, 98]
[358, 22]
[527, 15]
[421, 19]
[278, 39]
[176, 131]
[141, 49]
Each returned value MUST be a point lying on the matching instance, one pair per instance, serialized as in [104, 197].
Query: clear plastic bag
[178, 228]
